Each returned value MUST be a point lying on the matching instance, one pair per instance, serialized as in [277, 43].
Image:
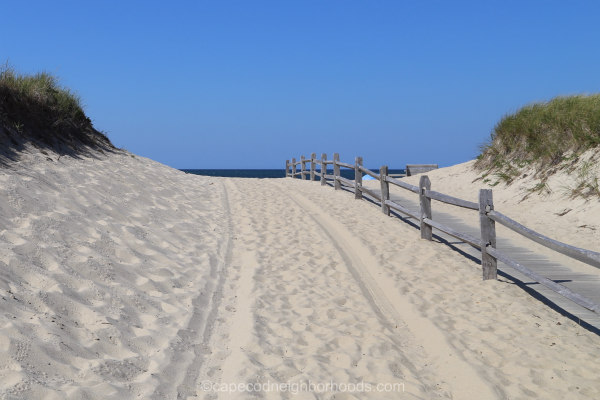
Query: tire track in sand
[242, 321]
[242, 324]
[393, 309]
[189, 348]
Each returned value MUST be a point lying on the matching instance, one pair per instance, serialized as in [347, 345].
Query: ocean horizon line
[267, 172]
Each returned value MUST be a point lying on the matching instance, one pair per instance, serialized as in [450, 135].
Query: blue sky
[248, 84]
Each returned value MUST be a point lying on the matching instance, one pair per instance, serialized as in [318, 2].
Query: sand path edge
[392, 308]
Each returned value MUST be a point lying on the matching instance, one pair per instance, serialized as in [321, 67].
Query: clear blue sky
[248, 84]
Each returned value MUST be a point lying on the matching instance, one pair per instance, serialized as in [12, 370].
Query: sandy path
[190, 344]
[325, 289]
[121, 278]
[313, 319]
[394, 310]
[515, 343]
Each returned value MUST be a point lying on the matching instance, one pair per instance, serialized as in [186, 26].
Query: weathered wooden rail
[485, 208]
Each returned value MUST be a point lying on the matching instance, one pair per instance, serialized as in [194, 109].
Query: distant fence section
[414, 169]
[488, 216]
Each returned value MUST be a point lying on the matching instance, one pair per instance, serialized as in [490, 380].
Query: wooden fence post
[293, 167]
[337, 185]
[358, 162]
[385, 189]
[323, 169]
[287, 168]
[302, 167]
[312, 166]
[489, 264]
[425, 184]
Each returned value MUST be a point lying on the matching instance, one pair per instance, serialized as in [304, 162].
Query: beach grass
[36, 107]
[543, 136]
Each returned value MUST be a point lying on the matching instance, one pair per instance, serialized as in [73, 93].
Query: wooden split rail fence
[485, 207]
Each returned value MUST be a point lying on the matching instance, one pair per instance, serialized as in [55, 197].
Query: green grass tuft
[37, 108]
[542, 135]
[545, 131]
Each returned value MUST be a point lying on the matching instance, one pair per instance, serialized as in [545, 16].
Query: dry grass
[545, 137]
[36, 108]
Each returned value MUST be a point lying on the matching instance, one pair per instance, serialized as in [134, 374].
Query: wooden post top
[486, 201]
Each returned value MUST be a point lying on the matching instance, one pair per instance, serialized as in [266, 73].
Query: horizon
[239, 85]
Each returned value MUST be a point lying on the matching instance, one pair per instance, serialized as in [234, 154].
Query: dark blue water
[239, 173]
[269, 173]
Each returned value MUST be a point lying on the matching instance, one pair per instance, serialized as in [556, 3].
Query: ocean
[269, 173]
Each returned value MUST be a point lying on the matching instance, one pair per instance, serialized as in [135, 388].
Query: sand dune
[123, 278]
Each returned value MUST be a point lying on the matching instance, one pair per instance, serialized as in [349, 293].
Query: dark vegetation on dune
[545, 137]
[35, 109]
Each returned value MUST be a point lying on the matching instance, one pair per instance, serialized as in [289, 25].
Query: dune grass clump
[542, 136]
[36, 108]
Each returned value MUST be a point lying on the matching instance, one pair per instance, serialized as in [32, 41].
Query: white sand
[122, 278]
[575, 221]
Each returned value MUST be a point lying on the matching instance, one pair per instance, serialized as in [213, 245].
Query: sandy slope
[575, 221]
[122, 278]
[556, 214]
[107, 272]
